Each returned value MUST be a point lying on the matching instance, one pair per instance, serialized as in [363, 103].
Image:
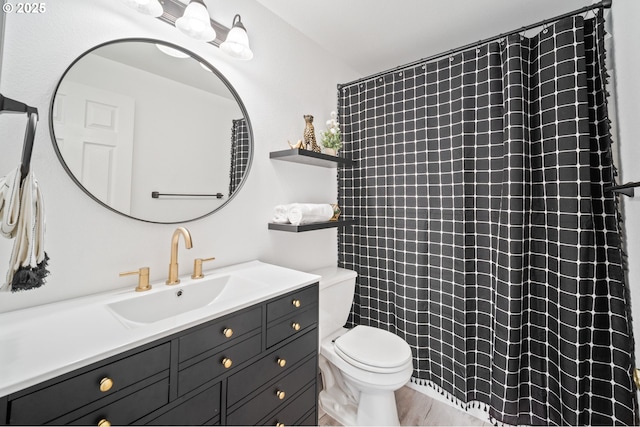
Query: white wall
[626, 38]
[89, 245]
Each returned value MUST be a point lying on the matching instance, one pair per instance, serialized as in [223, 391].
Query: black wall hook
[27, 148]
[8, 105]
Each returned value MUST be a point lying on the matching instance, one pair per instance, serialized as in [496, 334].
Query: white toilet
[361, 367]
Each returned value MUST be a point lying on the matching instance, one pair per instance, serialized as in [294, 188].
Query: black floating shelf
[310, 227]
[307, 157]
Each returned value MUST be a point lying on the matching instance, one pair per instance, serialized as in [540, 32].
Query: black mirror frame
[192, 55]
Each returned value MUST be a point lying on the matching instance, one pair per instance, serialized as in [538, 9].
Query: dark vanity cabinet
[257, 366]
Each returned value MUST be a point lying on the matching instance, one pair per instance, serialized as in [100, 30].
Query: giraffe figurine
[310, 135]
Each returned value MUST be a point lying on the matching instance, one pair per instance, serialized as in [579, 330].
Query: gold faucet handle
[197, 267]
[143, 280]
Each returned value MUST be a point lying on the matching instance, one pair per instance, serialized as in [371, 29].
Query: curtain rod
[604, 4]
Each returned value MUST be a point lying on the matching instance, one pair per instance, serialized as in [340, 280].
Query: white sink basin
[163, 302]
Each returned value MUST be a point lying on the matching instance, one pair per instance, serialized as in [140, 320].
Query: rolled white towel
[281, 214]
[307, 213]
[28, 247]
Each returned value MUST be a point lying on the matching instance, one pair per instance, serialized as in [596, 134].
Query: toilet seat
[373, 349]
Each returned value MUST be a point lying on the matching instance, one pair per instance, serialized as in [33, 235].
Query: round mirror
[151, 131]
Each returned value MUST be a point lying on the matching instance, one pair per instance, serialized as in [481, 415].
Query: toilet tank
[337, 287]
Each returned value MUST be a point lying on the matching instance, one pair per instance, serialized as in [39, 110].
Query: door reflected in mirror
[151, 131]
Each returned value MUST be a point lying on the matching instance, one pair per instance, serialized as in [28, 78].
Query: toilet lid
[373, 349]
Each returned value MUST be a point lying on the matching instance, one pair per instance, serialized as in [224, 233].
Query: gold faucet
[173, 266]
[197, 267]
[143, 280]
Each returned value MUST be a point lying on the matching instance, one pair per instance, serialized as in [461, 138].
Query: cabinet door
[3, 411]
[292, 325]
[196, 411]
[310, 420]
[279, 362]
[292, 303]
[128, 409]
[291, 414]
[275, 396]
[67, 395]
[220, 332]
[212, 367]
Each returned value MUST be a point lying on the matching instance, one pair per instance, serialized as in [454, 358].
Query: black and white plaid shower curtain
[485, 237]
[239, 153]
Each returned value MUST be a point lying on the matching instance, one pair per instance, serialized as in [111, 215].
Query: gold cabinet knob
[104, 423]
[279, 424]
[227, 332]
[296, 303]
[105, 384]
[296, 326]
[281, 394]
[226, 362]
[281, 362]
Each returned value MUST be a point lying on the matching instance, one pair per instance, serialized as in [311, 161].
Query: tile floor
[416, 409]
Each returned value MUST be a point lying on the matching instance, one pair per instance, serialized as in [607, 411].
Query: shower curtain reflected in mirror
[484, 237]
[239, 153]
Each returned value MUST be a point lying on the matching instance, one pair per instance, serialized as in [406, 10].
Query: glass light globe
[171, 51]
[237, 43]
[196, 22]
[147, 7]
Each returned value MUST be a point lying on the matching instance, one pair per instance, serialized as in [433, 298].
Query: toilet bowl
[361, 367]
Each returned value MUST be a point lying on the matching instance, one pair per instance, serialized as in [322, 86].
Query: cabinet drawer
[269, 399]
[209, 368]
[292, 303]
[213, 335]
[290, 415]
[194, 412]
[128, 409]
[292, 325]
[310, 420]
[58, 399]
[267, 368]
[213, 422]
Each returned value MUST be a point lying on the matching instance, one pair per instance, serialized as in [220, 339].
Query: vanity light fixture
[193, 19]
[147, 7]
[195, 22]
[237, 43]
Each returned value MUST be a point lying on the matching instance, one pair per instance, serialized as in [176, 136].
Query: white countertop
[40, 343]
